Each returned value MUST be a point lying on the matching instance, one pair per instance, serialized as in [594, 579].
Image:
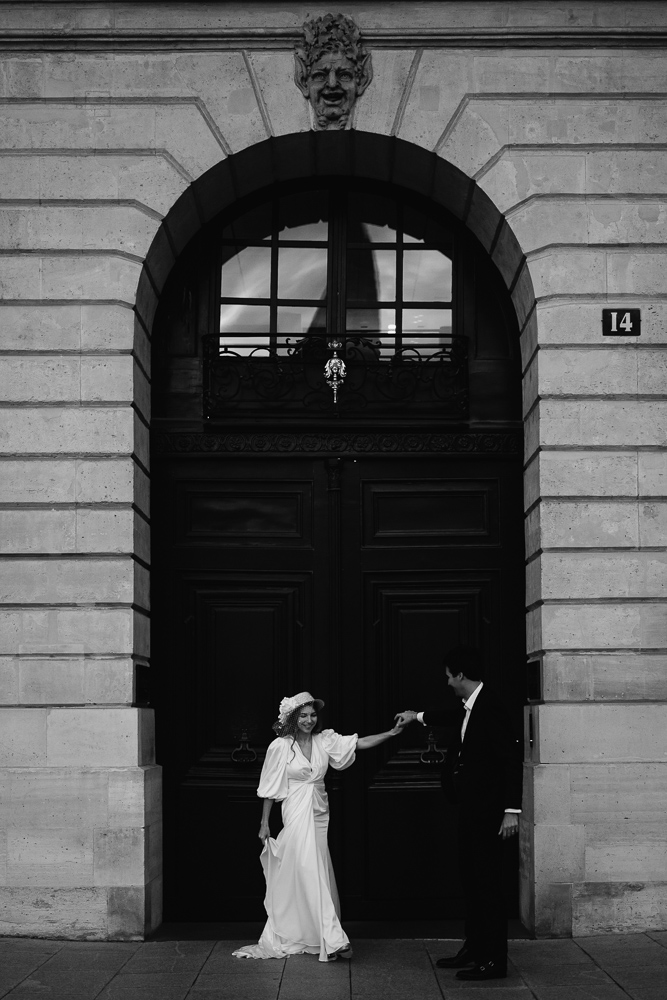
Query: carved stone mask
[332, 69]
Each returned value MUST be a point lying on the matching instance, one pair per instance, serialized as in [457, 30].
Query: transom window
[335, 263]
[335, 298]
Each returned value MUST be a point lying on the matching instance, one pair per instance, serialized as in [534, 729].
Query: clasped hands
[401, 720]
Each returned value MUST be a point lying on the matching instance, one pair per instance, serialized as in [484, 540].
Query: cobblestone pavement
[594, 968]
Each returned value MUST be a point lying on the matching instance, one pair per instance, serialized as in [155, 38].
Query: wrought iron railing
[356, 375]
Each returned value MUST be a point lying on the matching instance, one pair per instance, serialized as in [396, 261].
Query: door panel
[247, 649]
[430, 512]
[245, 513]
[347, 577]
[439, 562]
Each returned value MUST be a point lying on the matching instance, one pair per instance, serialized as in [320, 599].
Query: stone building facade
[114, 117]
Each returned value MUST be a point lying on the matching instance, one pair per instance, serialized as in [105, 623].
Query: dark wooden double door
[347, 576]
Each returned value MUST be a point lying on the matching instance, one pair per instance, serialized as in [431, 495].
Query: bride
[303, 913]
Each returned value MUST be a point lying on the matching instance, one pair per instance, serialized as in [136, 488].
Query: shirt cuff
[512, 810]
[420, 718]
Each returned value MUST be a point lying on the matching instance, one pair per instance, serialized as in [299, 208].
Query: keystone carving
[332, 69]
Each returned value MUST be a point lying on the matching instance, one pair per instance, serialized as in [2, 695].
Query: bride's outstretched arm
[366, 742]
[264, 829]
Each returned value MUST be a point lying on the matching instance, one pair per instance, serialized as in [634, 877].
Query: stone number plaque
[621, 322]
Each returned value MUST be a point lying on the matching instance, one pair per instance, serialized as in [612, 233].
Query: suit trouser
[480, 850]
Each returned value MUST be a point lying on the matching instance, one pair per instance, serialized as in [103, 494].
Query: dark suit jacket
[485, 772]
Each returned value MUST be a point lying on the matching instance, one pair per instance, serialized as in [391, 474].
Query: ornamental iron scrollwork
[426, 376]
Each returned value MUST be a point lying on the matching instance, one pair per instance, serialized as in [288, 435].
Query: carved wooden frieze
[490, 443]
[332, 69]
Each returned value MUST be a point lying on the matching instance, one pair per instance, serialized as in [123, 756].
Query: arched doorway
[337, 546]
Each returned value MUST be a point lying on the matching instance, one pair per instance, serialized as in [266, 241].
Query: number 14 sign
[621, 323]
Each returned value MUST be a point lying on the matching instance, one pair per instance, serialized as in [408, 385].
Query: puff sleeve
[340, 749]
[273, 779]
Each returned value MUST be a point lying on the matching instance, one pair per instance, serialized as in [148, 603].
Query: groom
[482, 773]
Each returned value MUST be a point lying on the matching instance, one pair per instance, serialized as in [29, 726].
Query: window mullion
[336, 283]
[398, 341]
[273, 285]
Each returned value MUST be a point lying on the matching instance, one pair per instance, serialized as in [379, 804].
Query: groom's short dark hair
[466, 660]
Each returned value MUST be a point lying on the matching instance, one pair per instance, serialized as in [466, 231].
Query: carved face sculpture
[332, 88]
[332, 69]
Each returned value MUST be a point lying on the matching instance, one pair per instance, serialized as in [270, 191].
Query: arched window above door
[339, 263]
[382, 278]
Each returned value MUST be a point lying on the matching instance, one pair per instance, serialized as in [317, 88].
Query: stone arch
[350, 154]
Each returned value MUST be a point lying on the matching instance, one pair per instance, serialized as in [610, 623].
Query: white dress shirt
[468, 704]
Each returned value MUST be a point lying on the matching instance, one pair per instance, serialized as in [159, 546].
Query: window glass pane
[244, 329]
[378, 215]
[300, 320]
[377, 325]
[368, 233]
[239, 318]
[248, 274]
[372, 322]
[371, 275]
[427, 276]
[302, 273]
[253, 225]
[304, 216]
[434, 325]
[310, 233]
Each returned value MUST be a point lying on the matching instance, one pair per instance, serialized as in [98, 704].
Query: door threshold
[443, 930]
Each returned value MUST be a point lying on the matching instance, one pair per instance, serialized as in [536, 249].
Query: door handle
[431, 755]
[244, 753]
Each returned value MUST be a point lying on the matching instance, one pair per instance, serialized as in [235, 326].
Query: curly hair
[290, 726]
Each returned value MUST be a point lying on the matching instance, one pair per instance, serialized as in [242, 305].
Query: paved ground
[598, 968]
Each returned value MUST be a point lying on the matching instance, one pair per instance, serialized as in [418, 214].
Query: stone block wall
[108, 113]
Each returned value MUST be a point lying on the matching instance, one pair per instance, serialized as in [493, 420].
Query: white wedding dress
[303, 912]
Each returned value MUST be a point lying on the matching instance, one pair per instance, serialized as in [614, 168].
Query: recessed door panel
[245, 513]
[427, 512]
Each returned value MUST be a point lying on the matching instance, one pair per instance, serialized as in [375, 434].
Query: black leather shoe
[484, 970]
[459, 961]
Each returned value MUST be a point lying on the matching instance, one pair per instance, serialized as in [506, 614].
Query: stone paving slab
[79, 983]
[477, 992]
[538, 954]
[80, 956]
[628, 949]
[566, 975]
[602, 991]
[634, 978]
[614, 967]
